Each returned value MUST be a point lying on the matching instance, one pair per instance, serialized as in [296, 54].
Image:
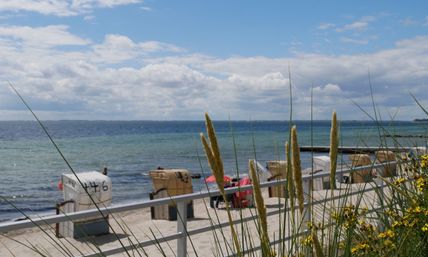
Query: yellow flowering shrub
[424, 161]
[401, 228]
[361, 248]
[421, 184]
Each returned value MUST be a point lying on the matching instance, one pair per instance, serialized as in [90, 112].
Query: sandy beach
[137, 226]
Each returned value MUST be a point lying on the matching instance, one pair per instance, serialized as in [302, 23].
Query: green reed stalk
[290, 184]
[334, 144]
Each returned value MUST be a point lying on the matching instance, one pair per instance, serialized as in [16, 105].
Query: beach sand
[137, 226]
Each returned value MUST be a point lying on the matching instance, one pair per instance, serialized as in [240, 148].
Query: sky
[176, 60]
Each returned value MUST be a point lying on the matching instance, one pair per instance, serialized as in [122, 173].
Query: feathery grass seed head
[334, 144]
[213, 141]
[297, 169]
[214, 158]
[261, 209]
[213, 164]
[290, 184]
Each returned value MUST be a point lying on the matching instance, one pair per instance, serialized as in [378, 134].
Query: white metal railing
[181, 202]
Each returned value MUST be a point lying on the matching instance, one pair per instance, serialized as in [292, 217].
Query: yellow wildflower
[391, 213]
[413, 223]
[364, 210]
[388, 243]
[360, 247]
[421, 184]
[424, 161]
[307, 241]
[349, 214]
[390, 233]
[387, 234]
[364, 226]
[425, 228]
[406, 222]
[335, 216]
[396, 224]
[399, 181]
[417, 209]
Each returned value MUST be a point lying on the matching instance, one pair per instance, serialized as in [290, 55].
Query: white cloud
[109, 3]
[145, 8]
[328, 89]
[358, 25]
[48, 36]
[269, 82]
[155, 46]
[89, 17]
[118, 48]
[408, 22]
[324, 26]
[354, 41]
[120, 78]
[60, 7]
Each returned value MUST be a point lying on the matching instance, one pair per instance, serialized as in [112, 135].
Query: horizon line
[221, 120]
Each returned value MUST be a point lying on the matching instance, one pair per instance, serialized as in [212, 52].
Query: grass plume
[261, 210]
[297, 169]
[334, 144]
[212, 152]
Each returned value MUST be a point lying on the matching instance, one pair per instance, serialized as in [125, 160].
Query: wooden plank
[350, 149]
[406, 136]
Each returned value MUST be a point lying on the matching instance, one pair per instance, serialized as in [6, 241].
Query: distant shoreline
[220, 120]
[420, 120]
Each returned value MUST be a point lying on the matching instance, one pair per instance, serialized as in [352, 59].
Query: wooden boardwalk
[351, 149]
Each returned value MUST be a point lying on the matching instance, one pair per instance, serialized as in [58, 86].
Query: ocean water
[30, 167]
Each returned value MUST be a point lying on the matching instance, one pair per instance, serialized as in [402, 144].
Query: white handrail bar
[180, 201]
[51, 219]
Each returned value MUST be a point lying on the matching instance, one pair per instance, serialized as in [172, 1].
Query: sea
[30, 166]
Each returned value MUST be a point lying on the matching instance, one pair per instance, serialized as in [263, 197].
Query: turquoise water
[30, 168]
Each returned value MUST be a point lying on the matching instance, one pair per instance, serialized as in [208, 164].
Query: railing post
[182, 228]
